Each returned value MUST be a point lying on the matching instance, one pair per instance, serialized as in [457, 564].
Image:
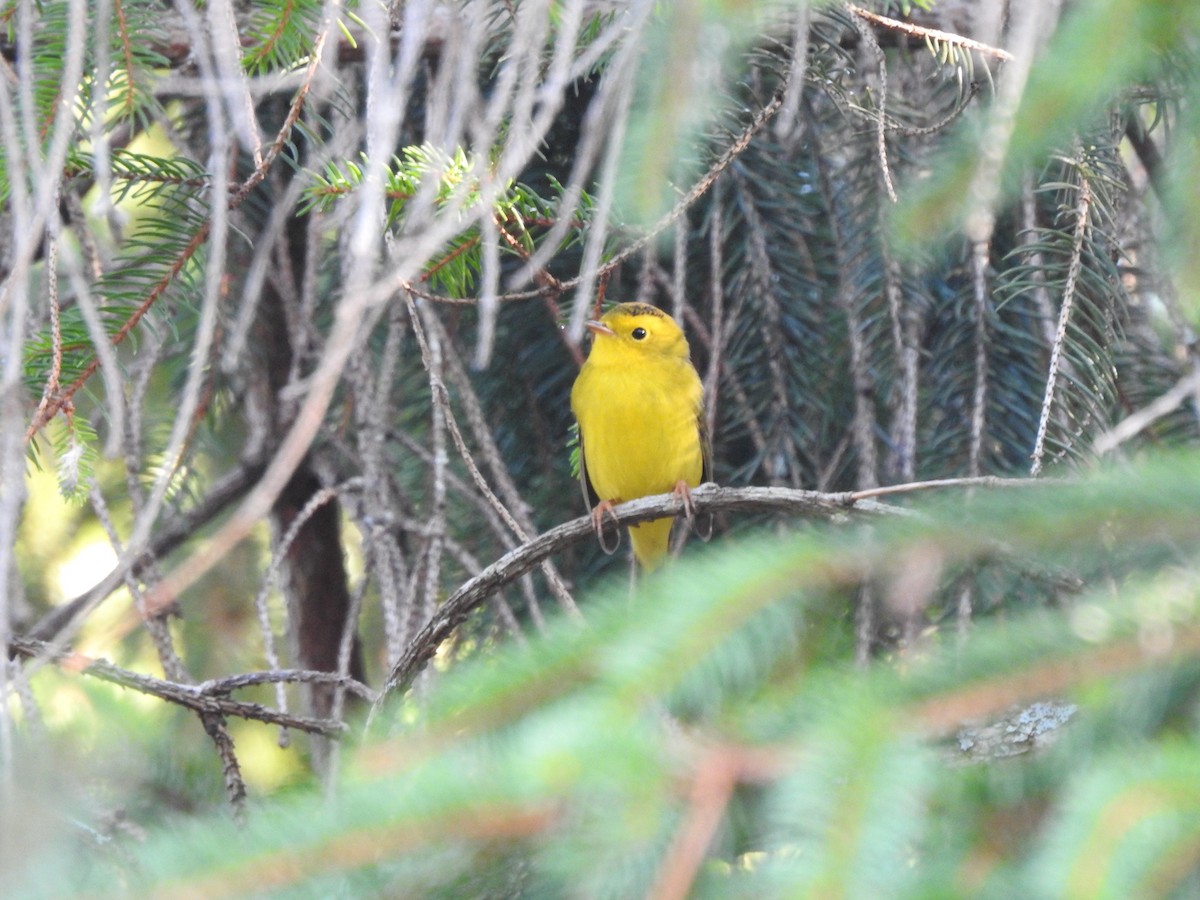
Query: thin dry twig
[1082, 208]
[980, 255]
[929, 34]
[880, 111]
[231, 770]
[787, 124]
[716, 306]
[431, 354]
[156, 626]
[698, 190]
[1186, 388]
[978, 481]
[279, 554]
[905, 318]
[192, 697]
[516, 514]
[781, 460]
[218, 687]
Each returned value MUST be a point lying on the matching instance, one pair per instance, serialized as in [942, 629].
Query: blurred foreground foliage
[708, 737]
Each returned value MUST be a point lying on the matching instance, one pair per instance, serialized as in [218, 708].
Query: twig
[1082, 208]
[906, 323]
[983, 194]
[1185, 388]
[736, 388]
[516, 515]
[219, 687]
[698, 190]
[716, 306]
[186, 695]
[591, 272]
[284, 544]
[488, 307]
[114, 382]
[960, 106]
[441, 420]
[980, 254]
[52, 385]
[160, 634]
[929, 34]
[786, 125]
[863, 423]
[880, 112]
[978, 481]
[46, 413]
[235, 784]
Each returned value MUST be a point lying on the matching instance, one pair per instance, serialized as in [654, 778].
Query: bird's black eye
[638, 334]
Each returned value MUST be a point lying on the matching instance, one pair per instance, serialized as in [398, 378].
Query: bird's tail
[651, 540]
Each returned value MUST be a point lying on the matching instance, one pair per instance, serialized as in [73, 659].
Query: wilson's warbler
[638, 401]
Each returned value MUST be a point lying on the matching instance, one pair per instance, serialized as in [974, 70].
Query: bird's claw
[703, 531]
[605, 506]
[684, 493]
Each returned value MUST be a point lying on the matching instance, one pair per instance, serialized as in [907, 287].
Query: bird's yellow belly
[637, 441]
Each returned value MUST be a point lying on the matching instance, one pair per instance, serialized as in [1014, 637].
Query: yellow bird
[639, 404]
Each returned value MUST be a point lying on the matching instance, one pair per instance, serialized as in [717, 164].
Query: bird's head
[635, 330]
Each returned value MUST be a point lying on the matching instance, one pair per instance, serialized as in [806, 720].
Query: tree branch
[708, 498]
[206, 699]
[929, 34]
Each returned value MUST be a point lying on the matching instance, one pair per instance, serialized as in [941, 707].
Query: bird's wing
[703, 525]
[590, 497]
[706, 466]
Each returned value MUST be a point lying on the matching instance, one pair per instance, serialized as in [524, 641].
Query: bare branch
[1082, 208]
[708, 498]
[1184, 389]
[217, 687]
[190, 696]
[880, 111]
[929, 34]
[980, 254]
[978, 481]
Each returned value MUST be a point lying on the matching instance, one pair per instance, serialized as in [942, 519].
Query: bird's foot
[598, 512]
[702, 526]
[684, 493]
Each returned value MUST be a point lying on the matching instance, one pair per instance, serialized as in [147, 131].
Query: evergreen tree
[326, 267]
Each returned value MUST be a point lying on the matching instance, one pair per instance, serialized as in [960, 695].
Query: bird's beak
[595, 326]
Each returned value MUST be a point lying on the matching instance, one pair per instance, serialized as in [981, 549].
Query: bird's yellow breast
[639, 423]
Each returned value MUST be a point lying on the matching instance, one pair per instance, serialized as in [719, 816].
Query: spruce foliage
[325, 267]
